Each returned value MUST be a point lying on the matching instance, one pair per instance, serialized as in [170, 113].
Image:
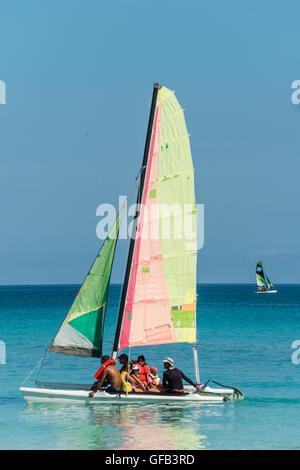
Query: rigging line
[141, 169]
[237, 391]
[37, 366]
[129, 358]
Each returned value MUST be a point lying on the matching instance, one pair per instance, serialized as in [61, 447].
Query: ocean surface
[245, 340]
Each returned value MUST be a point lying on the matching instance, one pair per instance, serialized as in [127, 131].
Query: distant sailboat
[158, 300]
[264, 285]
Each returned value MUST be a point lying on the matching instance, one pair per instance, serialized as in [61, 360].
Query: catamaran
[264, 285]
[158, 299]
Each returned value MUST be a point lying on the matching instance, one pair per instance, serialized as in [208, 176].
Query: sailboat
[264, 285]
[158, 299]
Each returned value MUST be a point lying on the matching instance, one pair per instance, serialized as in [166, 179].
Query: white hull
[72, 393]
[273, 291]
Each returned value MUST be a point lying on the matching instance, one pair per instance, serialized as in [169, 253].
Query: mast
[196, 364]
[136, 220]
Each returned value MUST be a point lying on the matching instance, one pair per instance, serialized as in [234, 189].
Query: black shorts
[110, 389]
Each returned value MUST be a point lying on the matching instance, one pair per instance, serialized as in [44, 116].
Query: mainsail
[260, 276]
[82, 330]
[159, 292]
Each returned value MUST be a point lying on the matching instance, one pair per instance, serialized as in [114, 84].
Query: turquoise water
[244, 340]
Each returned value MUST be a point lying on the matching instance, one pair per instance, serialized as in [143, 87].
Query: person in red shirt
[144, 370]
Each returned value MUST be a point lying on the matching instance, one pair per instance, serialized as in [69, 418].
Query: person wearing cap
[137, 385]
[172, 377]
[134, 369]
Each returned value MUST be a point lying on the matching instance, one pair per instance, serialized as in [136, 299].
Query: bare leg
[139, 390]
[156, 388]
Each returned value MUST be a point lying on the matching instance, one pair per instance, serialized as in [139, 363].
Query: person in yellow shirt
[130, 383]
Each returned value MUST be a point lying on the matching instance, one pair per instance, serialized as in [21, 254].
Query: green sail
[269, 282]
[82, 330]
[260, 276]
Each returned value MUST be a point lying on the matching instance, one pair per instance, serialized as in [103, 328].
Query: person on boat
[135, 375]
[123, 358]
[134, 368]
[153, 374]
[172, 377]
[144, 370]
[131, 368]
[154, 382]
[108, 377]
[129, 380]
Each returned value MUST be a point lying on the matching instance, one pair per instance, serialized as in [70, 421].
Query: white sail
[268, 281]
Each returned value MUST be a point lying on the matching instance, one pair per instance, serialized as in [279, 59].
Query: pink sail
[147, 318]
[161, 296]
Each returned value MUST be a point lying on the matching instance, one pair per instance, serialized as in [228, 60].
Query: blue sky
[79, 81]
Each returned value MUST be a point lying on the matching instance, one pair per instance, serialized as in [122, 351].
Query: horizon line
[120, 284]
